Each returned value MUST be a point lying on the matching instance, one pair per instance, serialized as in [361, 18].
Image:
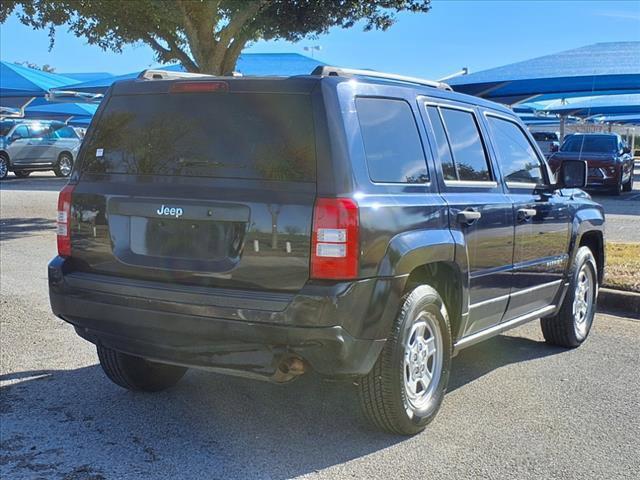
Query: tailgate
[211, 189]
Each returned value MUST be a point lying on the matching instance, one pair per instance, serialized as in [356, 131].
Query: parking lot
[516, 407]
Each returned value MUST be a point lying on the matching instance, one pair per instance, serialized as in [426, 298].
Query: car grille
[596, 172]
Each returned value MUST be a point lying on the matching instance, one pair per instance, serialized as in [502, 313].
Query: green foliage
[45, 68]
[203, 35]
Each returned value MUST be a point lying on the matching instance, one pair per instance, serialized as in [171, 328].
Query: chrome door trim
[519, 292]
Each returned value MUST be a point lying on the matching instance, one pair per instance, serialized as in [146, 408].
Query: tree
[205, 36]
[45, 68]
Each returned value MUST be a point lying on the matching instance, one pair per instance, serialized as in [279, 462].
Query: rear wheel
[404, 390]
[64, 166]
[136, 373]
[571, 326]
[21, 173]
[4, 166]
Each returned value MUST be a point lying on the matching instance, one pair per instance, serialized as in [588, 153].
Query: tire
[627, 187]
[64, 166]
[617, 190]
[386, 395]
[21, 173]
[138, 374]
[4, 166]
[572, 324]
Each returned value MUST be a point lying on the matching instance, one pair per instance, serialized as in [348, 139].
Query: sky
[454, 34]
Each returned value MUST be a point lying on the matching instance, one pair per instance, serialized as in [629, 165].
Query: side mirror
[15, 137]
[626, 149]
[572, 174]
[554, 147]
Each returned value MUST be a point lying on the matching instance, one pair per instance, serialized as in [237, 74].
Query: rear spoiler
[155, 74]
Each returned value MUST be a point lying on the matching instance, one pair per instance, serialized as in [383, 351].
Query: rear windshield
[584, 143]
[230, 135]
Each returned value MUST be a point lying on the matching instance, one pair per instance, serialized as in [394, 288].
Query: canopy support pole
[24, 106]
[563, 120]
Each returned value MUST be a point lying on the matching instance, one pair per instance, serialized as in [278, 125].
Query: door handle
[525, 214]
[468, 216]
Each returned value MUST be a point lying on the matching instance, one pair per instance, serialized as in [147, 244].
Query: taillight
[64, 221]
[335, 247]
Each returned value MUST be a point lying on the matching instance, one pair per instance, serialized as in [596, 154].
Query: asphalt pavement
[516, 407]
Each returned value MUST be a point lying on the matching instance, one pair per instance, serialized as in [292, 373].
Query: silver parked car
[27, 146]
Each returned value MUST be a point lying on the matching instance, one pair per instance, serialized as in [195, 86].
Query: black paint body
[246, 308]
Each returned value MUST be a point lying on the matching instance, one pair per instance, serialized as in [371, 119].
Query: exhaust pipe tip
[289, 369]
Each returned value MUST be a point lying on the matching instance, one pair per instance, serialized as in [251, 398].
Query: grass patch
[622, 270]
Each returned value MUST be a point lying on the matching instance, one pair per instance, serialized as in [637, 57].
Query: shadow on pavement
[76, 423]
[12, 228]
[478, 360]
[40, 183]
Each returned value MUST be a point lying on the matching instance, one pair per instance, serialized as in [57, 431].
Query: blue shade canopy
[597, 105]
[603, 68]
[19, 81]
[87, 76]
[61, 110]
[282, 64]
[19, 102]
[629, 119]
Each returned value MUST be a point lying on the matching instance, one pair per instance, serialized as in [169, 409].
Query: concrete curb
[619, 300]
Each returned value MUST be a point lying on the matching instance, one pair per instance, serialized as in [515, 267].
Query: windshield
[232, 135]
[589, 143]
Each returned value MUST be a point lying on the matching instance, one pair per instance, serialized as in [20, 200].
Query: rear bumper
[338, 329]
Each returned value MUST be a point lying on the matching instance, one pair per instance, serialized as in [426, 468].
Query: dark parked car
[547, 141]
[362, 227]
[28, 146]
[608, 158]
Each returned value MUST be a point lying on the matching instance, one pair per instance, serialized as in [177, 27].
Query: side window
[444, 152]
[21, 131]
[468, 152]
[391, 141]
[516, 157]
[40, 132]
[64, 132]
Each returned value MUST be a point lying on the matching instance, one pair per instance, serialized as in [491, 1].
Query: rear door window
[230, 135]
[516, 157]
[469, 155]
[391, 141]
[64, 132]
[39, 131]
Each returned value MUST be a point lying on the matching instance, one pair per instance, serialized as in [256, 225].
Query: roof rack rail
[324, 70]
[155, 74]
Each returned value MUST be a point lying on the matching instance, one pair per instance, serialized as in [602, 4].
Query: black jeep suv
[363, 226]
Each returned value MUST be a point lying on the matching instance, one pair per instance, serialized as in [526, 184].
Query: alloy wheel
[583, 301]
[65, 165]
[4, 166]
[422, 360]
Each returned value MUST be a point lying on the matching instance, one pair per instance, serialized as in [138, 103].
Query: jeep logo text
[170, 211]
